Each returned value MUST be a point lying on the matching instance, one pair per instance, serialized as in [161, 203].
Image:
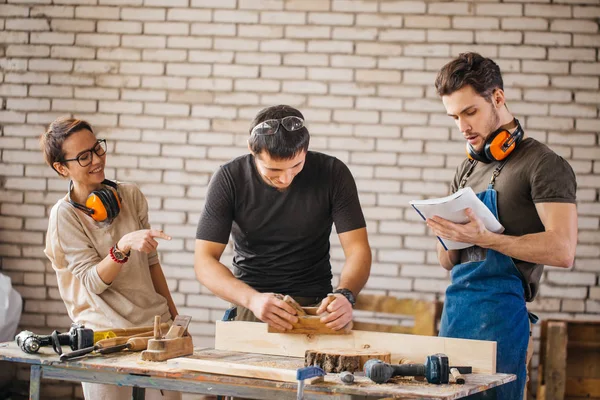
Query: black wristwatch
[347, 294]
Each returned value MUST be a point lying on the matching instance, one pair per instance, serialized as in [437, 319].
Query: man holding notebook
[530, 189]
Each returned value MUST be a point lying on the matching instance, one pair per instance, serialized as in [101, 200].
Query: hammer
[435, 370]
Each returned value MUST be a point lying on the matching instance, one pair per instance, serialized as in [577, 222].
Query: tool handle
[409, 370]
[138, 343]
[77, 353]
[116, 341]
[458, 378]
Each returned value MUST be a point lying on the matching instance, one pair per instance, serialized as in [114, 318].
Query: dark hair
[481, 73]
[283, 145]
[51, 141]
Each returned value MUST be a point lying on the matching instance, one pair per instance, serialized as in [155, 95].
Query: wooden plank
[556, 360]
[235, 369]
[479, 354]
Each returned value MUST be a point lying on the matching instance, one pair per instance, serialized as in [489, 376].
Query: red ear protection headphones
[103, 204]
[498, 145]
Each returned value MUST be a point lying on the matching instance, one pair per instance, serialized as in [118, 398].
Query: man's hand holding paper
[474, 231]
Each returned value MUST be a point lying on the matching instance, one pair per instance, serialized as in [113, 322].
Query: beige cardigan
[75, 244]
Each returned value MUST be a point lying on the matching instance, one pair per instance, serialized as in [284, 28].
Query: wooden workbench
[129, 370]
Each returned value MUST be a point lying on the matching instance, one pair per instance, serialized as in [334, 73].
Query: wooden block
[556, 361]
[294, 303]
[165, 349]
[310, 323]
[479, 354]
[339, 360]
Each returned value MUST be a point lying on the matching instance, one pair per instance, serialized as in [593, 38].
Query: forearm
[161, 287]
[546, 248]
[356, 270]
[219, 280]
[447, 258]
[108, 269]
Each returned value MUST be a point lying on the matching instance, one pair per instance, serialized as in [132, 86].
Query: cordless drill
[436, 370]
[78, 337]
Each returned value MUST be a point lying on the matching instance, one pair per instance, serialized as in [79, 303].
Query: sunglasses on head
[271, 126]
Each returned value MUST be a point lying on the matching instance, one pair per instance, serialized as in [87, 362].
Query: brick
[74, 105]
[211, 84]
[380, 20]
[317, 18]
[374, 103]
[185, 69]
[571, 25]
[95, 67]
[350, 61]
[51, 38]
[74, 52]
[572, 55]
[119, 27]
[50, 91]
[214, 111]
[366, 34]
[120, 54]
[13, 64]
[574, 82]
[188, 14]
[572, 138]
[498, 37]
[189, 42]
[144, 41]
[548, 67]
[377, 76]
[236, 44]
[72, 25]
[433, 50]
[525, 80]
[525, 24]
[260, 31]
[236, 16]
[563, 292]
[587, 124]
[586, 12]
[163, 136]
[143, 14]
[118, 81]
[524, 52]
[136, 121]
[471, 23]
[586, 40]
[330, 74]
[551, 96]
[27, 104]
[257, 58]
[587, 97]
[330, 102]
[444, 8]
[14, 11]
[7, 89]
[547, 39]
[573, 110]
[214, 3]
[402, 35]
[93, 12]
[166, 109]
[27, 24]
[212, 29]
[450, 36]
[549, 11]
[550, 123]
[97, 40]
[27, 50]
[499, 10]
[403, 118]
[306, 5]
[13, 37]
[403, 7]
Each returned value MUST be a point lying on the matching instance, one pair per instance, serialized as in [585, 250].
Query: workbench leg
[139, 393]
[35, 382]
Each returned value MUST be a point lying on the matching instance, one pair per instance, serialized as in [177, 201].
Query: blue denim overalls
[486, 301]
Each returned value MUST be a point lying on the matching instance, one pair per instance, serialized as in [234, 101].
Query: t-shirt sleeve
[346, 211]
[217, 215]
[141, 205]
[553, 180]
[69, 247]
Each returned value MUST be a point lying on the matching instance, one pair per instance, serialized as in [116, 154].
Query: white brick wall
[174, 84]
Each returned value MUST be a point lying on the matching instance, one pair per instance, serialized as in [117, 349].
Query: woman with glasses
[101, 246]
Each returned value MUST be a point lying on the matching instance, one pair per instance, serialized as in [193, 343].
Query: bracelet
[117, 256]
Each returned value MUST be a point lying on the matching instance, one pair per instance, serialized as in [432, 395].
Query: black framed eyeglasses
[84, 159]
[271, 126]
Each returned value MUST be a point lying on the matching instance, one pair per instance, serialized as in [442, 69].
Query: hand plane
[176, 343]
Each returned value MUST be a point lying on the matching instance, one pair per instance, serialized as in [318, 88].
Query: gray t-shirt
[533, 174]
[75, 244]
[281, 238]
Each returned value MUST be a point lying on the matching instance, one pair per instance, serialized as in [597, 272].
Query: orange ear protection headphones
[498, 145]
[102, 204]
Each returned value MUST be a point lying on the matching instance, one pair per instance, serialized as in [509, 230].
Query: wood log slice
[339, 360]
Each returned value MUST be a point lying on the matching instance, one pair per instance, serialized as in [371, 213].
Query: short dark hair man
[279, 203]
[530, 189]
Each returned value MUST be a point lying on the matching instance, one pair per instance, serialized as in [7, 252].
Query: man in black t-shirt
[279, 203]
